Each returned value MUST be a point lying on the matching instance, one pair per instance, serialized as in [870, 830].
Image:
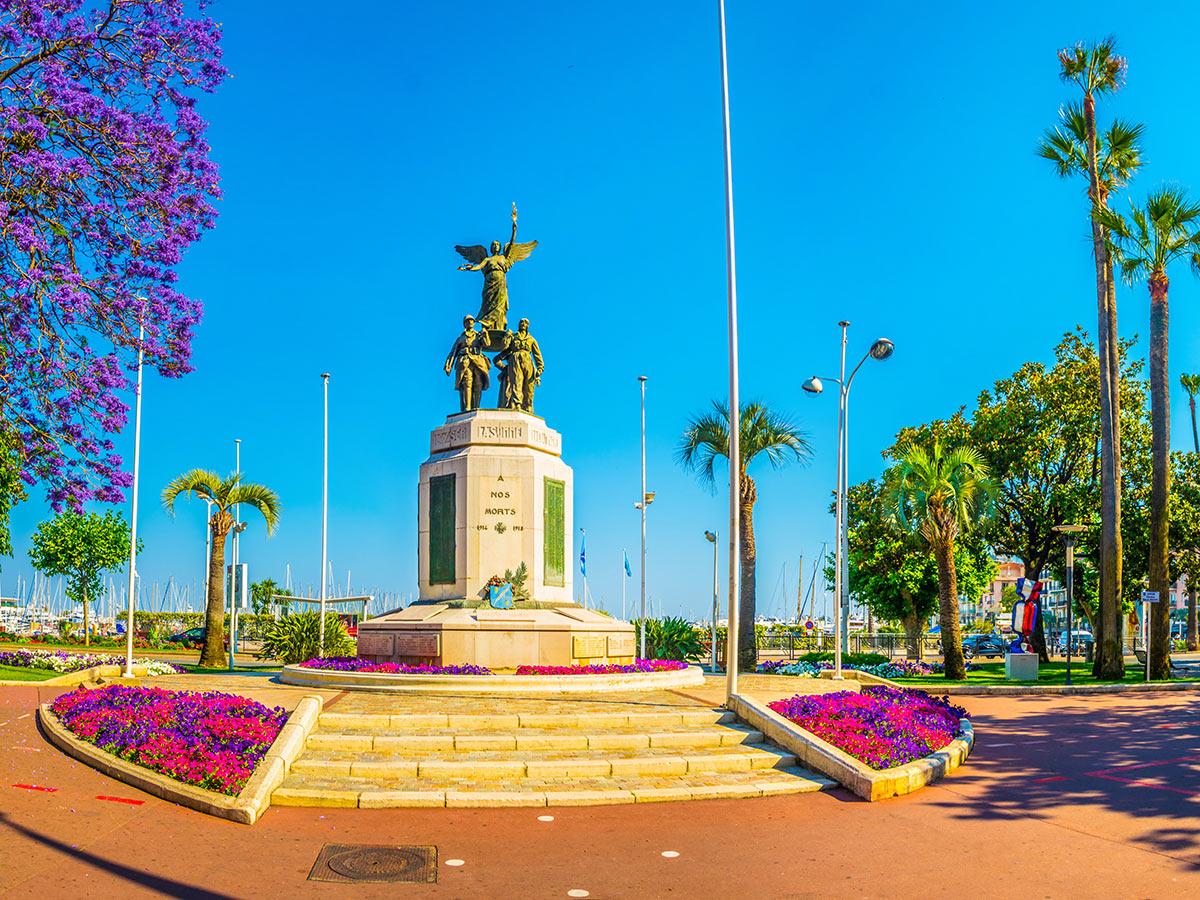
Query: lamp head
[813, 385]
[712, 538]
[882, 349]
[1069, 529]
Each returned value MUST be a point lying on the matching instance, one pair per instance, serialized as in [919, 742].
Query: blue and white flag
[628, 571]
[583, 556]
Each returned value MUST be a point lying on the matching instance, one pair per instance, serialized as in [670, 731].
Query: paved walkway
[1064, 797]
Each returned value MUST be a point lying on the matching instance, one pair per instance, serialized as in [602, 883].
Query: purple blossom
[106, 182]
[881, 726]
[211, 739]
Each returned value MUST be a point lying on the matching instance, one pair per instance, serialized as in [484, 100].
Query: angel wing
[518, 252]
[475, 254]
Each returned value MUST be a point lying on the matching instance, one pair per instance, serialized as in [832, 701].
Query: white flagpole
[731, 657]
[133, 516]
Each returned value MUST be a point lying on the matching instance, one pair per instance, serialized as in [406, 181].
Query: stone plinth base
[437, 634]
[1021, 666]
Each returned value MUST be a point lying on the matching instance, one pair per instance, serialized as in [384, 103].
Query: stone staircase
[527, 752]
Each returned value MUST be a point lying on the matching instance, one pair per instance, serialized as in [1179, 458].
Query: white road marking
[455, 862]
[545, 818]
[670, 854]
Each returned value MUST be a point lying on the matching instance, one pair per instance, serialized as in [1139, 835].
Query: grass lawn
[1054, 672]
[20, 673]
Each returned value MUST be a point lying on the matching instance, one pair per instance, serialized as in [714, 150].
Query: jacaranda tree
[105, 180]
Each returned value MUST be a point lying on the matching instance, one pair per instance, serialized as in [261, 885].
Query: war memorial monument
[494, 512]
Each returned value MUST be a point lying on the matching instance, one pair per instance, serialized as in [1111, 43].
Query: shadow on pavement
[164, 886]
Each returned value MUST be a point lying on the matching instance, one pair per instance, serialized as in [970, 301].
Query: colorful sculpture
[1025, 614]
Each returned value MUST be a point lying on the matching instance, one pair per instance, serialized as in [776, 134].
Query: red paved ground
[1053, 804]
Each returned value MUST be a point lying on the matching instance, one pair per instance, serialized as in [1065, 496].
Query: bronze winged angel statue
[493, 312]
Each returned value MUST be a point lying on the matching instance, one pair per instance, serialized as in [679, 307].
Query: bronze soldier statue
[470, 365]
[520, 366]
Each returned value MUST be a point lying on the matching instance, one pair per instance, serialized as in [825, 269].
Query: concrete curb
[244, 809]
[822, 757]
[491, 684]
[89, 674]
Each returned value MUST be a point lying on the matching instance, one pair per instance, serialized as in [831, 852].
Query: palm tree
[1098, 70]
[939, 496]
[1191, 384]
[1165, 230]
[225, 494]
[762, 432]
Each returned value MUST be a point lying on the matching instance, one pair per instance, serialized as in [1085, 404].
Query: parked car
[193, 637]
[989, 645]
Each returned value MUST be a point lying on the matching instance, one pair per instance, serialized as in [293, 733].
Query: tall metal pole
[133, 515]
[233, 570]
[1070, 595]
[207, 545]
[716, 602]
[624, 556]
[846, 497]
[839, 577]
[735, 468]
[324, 516]
[642, 380]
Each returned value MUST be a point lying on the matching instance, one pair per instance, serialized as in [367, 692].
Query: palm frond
[761, 432]
[204, 483]
[262, 498]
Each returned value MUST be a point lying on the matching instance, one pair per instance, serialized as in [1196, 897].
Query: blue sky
[884, 173]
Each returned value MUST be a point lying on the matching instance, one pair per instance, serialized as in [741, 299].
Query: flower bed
[897, 668]
[64, 662]
[640, 665]
[881, 726]
[355, 664]
[212, 740]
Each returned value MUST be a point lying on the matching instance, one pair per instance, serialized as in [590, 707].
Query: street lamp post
[133, 515]
[712, 536]
[1068, 532]
[880, 350]
[207, 544]
[233, 571]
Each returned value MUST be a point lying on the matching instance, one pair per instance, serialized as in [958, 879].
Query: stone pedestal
[1021, 666]
[493, 494]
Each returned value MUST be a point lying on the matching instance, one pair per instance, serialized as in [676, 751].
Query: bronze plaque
[372, 643]
[417, 645]
[621, 645]
[588, 646]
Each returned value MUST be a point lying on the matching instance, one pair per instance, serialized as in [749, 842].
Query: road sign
[1149, 596]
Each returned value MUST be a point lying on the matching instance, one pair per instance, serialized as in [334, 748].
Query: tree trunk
[1195, 436]
[86, 641]
[914, 637]
[943, 553]
[747, 643]
[1193, 638]
[212, 654]
[1160, 481]
[1115, 663]
[1037, 640]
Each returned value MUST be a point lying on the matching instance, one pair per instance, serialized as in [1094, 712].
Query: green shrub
[669, 638]
[296, 638]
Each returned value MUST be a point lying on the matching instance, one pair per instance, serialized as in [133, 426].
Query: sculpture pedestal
[494, 494]
[1021, 666]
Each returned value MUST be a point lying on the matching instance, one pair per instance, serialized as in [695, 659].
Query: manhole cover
[375, 864]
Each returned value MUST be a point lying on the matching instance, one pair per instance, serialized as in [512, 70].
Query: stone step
[657, 761]
[441, 739]
[301, 790]
[475, 722]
